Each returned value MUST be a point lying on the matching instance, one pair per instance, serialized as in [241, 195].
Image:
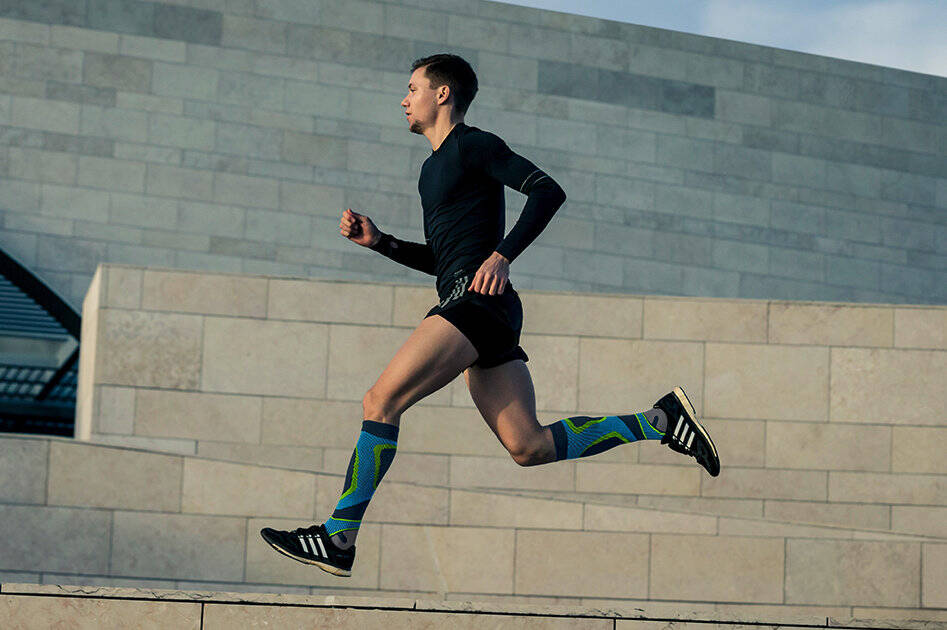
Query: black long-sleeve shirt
[461, 187]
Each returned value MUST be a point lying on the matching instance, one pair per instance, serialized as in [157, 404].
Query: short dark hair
[455, 72]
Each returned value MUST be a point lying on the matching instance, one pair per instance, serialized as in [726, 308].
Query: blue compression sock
[582, 436]
[370, 460]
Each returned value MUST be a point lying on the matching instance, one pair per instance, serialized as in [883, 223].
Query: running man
[475, 328]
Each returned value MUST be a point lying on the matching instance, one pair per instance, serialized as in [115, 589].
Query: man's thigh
[434, 355]
[505, 397]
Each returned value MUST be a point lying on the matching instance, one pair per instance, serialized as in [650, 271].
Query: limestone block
[747, 483]
[934, 580]
[920, 328]
[186, 183]
[753, 566]
[208, 294]
[611, 564]
[25, 611]
[590, 315]
[896, 386]
[27, 530]
[637, 478]
[55, 116]
[308, 422]
[825, 446]
[923, 521]
[482, 509]
[148, 349]
[96, 476]
[357, 355]
[266, 565]
[494, 472]
[211, 487]
[167, 445]
[838, 514]
[626, 519]
[86, 379]
[704, 320]
[883, 488]
[723, 507]
[223, 616]
[852, 572]
[621, 376]
[186, 81]
[123, 287]
[271, 358]
[412, 303]
[830, 325]
[438, 559]
[553, 369]
[919, 450]
[197, 416]
[293, 457]
[23, 469]
[179, 546]
[448, 430]
[770, 382]
[340, 302]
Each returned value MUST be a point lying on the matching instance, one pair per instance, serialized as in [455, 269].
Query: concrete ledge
[26, 604]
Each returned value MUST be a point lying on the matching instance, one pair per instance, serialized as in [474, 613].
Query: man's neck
[441, 130]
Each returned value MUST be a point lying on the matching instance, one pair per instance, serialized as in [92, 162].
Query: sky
[905, 34]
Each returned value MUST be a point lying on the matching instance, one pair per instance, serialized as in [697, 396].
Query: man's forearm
[415, 255]
[543, 202]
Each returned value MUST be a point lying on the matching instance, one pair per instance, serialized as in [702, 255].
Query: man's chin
[415, 127]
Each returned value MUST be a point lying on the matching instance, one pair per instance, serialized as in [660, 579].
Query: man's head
[439, 81]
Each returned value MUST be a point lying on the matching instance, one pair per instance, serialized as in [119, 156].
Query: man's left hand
[492, 276]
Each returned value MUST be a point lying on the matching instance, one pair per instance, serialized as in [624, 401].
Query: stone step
[97, 512]
[55, 605]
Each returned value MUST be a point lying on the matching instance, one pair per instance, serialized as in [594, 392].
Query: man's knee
[528, 453]
[379, 407]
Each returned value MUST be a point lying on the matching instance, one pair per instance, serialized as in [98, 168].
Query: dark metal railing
[36, 398]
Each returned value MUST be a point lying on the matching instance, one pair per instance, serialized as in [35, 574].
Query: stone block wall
[129, 517]
[229, 135]
[822, 413]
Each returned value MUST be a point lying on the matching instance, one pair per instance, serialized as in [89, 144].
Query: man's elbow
[559, 194]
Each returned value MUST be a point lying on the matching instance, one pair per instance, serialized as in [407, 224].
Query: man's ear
[443, 93]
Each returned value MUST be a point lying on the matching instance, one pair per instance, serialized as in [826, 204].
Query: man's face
[420, 105]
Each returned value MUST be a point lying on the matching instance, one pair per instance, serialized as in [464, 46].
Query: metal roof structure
[36, 397]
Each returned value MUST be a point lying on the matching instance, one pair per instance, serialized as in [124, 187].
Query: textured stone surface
[610, 563]
[894, 387]
[777, 382]
[24, 611]
[881, 573]
[753, 566]
[264, 357]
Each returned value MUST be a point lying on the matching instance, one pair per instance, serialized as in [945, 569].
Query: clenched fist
[358, 228]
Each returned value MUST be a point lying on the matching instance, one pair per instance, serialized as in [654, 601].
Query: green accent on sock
[608, 436]
[378, 451]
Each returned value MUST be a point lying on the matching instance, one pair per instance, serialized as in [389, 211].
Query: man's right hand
[358, 228]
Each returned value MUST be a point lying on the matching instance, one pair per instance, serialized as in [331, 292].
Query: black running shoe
[312, 545]
[684, 432]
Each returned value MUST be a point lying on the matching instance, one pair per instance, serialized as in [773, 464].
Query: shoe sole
[689, 408]
[328, 568]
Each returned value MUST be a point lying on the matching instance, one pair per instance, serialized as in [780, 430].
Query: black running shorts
[492, 323]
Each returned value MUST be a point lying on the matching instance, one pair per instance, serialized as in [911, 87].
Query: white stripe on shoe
[680, 425]
[302, 541]
[312, 543]
[319, 540]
